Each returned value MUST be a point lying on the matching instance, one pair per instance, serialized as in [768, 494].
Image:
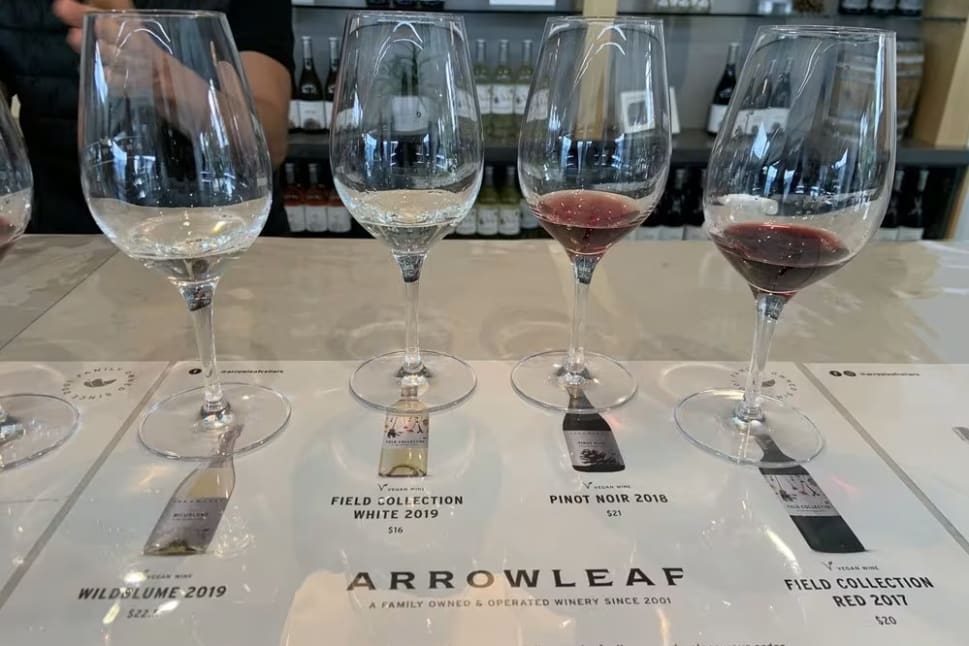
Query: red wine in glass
[587, 222]
[781, 258]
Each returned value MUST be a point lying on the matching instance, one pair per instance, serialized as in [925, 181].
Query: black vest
[38, 65]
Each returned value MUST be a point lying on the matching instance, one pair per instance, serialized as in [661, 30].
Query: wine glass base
[35, 426]
[174, 427]
[446, 381]
[541, 379]
[708, 420]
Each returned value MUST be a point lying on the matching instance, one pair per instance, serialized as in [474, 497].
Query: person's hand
[71, 12]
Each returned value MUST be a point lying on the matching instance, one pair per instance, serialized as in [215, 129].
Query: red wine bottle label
[484, 99]
[801, 495]
[715, 118]
[338, 219]
[406, 431]
[316, 219]
[591, 448]
[296, 215]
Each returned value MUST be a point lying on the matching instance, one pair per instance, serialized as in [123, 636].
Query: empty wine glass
[176, 172]
[593, 157]
[30, 425]
[405, 148]
[795, 188]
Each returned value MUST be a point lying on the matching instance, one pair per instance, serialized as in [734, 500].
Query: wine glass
[176, 172]
[593, 157]
[30, 425]
[405, 148]
[795, 188]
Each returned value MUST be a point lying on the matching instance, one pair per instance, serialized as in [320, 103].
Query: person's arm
[269, 80]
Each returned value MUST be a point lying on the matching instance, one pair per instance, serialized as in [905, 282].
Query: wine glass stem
[198, 297]
[410, 270]
[769, 308]
[582, 267]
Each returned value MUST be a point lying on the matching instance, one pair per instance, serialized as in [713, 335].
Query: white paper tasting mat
[105, 394]
[719, 562]
[918, 414]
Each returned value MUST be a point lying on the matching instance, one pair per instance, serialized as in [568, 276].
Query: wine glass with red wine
[31, 425]
[593, 157]
[795, 188]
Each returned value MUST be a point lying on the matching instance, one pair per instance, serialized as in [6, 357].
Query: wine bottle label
[484, 99]
[338, 219]
[409, 114]
[502, 99]
[715, 117]
[775, 118]
[593, 448]
[328, 113]
[406, 431]
[312, 115]
[910, 234]
[468, 225]
[669, 233]
[465, 105]
[296, 216]
[521, 98]
[316, 219]
[487, 220]
[186, 526]
[647, 233]
[910, 5]
[888, 234]
[800, 495]
[294, 118]
[509, 221]
[538, 108]
[637, 110]
[693, 232]
[529, 221]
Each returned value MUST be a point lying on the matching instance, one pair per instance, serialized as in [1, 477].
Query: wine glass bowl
[593, 157]
[406, 152]
[798, 182]
[176, 172]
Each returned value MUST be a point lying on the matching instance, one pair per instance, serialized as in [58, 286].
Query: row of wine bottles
[311, 102]
[502, 91]
[769, 99]
[882, 7]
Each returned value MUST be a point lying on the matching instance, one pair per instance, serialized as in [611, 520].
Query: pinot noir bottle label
[593, 448]
[800, 495]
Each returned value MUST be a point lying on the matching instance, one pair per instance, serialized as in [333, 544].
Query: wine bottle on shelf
[487, 206]
[295, 123]
[694, 218]
[531, 228]
[591, 443]
[806, 503]
[403, 452]
[889, 227]
[523, 80]
[725, 88]
[910, 7]
[311, 109]
[467, 226]
[193, 513]
[338, 220]
[330, 89]
[882, 7]
[509, 210]
[503, 123]
[315, 201]
[482, 81]
[853, 7]
[911, 225]
[671, 226]
[293, 200]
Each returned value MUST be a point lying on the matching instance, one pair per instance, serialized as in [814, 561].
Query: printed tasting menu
[493, 523]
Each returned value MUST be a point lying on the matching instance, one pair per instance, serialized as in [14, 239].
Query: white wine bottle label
[468, 225]
[521, 98]
[484, 99]
[910, 234]
[338, 219]
[487, 220]
[538, 109]
[312, 115]
[465, 105]
[186, 526]
[801, 495]
[328, 113]
[670, 233]
[593, 448]
[406, 431]
[294, 120]
[529, 221]
[695, 233]
[502, 99]
[409, 114]
[715, 118]
[296, 216]
[316, 219]
[509, 221]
